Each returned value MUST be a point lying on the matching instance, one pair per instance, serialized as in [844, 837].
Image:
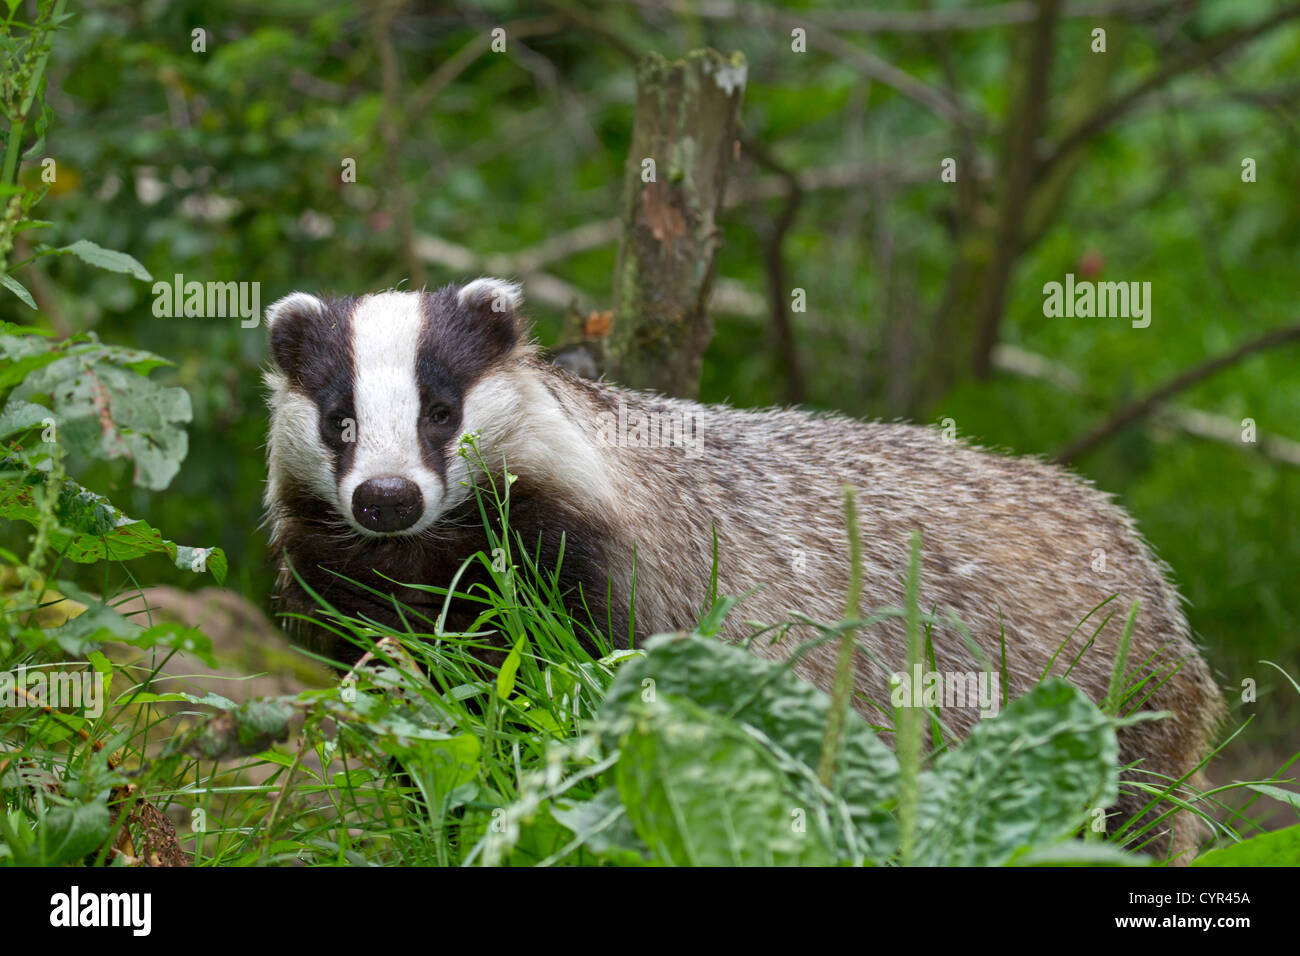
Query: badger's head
[371, 397]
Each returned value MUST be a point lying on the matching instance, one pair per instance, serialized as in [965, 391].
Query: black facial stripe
[458, 344]
[439, 393]
[314, 350]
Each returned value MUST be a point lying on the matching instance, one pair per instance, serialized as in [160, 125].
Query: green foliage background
[225, 166]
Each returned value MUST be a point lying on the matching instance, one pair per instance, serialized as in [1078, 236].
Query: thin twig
[399, 205]
[1023, 130]
[1184, 61]
[451, 68]
[787, 349]
[919, 21]
[1127, 414]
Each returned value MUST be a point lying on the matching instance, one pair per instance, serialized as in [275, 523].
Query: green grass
[685, 751]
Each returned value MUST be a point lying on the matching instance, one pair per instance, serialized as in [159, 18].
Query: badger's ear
[500, 295]
[491, 309]
[287, 322]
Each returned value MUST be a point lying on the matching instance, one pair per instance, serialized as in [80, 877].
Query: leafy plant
[63, 403]
[686, 751]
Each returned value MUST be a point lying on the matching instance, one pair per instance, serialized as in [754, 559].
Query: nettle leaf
[18, 416]
[19, 341]
[603, 827]
[101, 399]
[97, 622]
[443, 765]
[788, 717]
[1023, 779]
[135, 697]
[91, 529]
[700, 791]
[241, 732]
[102, 258]
[23, 355]
[76, 831]
[107, 412]
[1278, 848]
[16, 287]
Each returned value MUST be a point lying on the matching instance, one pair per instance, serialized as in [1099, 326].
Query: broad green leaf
[106, 412]
[603, 827]
[19, 416]
[1022, 779]
[1278, 848]
[16, 287]
[102, 258]
[700, 791]
[74, 832]
[92, 529]
[16, 368]
[787, 715]
[442, 765]
[104, 404]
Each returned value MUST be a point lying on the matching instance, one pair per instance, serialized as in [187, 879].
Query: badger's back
[1010, 544]
[1019, 550]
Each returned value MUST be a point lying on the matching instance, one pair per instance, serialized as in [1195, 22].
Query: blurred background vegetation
[225, 165]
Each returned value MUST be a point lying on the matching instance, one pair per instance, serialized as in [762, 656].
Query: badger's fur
[1019, 550]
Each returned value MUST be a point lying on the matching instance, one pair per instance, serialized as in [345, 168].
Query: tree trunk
[686, 123]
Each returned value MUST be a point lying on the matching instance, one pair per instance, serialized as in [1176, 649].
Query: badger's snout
[387, 504]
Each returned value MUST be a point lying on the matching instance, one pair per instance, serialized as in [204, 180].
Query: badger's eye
[339, 428]
[439, 414]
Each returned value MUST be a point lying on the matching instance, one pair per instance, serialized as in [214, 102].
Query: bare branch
[1189, 421]
[1127, 414]
[450, 69]
[1023, 131]
[1184, 61]
[821, 36]
[920, 21]
[787, 349]
[397, 201]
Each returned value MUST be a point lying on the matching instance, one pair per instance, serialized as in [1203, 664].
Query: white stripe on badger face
[295, 438]
[386, 399]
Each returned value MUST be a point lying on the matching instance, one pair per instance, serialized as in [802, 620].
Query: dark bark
[686, 121]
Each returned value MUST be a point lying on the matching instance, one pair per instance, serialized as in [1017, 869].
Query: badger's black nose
[387, 504]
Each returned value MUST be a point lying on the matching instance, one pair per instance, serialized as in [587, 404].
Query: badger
[644, 497]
